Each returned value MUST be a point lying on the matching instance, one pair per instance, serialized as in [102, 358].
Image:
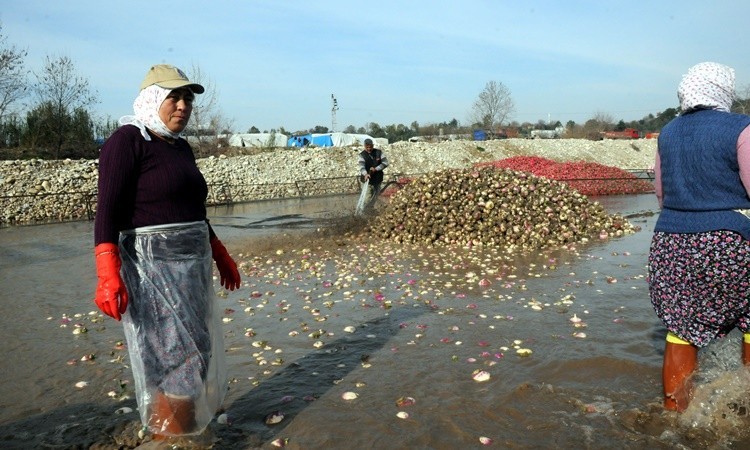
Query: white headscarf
[707, 85]
[146, 107]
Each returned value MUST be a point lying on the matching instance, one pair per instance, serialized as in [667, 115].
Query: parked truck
[627, 133]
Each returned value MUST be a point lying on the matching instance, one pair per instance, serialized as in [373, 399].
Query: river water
[442, 349]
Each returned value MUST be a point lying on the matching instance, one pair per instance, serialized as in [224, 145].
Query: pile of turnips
[493, 207]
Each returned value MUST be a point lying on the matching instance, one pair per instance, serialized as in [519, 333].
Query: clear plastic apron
[172, 323]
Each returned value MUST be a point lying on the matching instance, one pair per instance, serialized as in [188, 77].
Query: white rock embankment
[33, 191]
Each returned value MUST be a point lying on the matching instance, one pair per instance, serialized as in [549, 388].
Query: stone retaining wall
[33, 191]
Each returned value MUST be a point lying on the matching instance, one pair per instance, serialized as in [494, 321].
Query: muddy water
[315, 320]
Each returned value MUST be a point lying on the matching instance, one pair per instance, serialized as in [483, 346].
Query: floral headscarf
[707, 85]
[146, 107]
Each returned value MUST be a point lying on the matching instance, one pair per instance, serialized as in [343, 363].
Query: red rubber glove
[230, 276]
[111, 295]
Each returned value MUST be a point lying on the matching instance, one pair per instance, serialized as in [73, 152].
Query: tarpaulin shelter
[315, 139]
[330, 140]
[302, 140]
[322, 140]
[258, 140]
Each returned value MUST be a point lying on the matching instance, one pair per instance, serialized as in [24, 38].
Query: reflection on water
[259, 218]
[392, 324]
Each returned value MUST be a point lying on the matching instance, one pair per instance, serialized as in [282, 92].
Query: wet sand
[443, 348]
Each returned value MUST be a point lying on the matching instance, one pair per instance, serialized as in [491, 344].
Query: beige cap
[169, 77]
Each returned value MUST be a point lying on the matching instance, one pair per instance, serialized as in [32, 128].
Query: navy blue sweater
[143, 183]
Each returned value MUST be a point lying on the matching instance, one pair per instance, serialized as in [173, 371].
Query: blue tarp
[299, 141]
[318, 140]
[322, 140]
[331, 140]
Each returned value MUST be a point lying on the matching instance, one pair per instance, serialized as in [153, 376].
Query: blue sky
[276, 63]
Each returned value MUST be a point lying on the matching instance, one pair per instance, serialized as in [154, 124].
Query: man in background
[372, 162]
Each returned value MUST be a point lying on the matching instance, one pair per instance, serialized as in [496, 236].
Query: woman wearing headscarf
[153, 251]
[699, 262]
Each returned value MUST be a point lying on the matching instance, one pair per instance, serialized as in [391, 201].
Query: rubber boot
[746, 349]
[680, 361]
[172, 416]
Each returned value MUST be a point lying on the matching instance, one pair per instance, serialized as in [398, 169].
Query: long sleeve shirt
[143, 183]
[375, 159]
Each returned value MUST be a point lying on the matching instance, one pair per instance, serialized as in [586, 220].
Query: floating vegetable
[480, 375]
[274, 418]
[405, 401]
[349, 395]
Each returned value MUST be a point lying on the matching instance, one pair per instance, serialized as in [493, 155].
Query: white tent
[344, 139]
[361, 138]
[334, 140]
[258, 140]
[320, 140]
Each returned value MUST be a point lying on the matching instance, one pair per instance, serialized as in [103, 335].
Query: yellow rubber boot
[680, 361]
[746, 349]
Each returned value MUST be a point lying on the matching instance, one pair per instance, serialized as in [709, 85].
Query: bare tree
[601, 121]
[64, 91]
[493, 106]
[13, 84]
[593, 127]
[206, 120]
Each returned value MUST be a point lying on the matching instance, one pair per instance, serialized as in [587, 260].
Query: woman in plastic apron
[153, 251]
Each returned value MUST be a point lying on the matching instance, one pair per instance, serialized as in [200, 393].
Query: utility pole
[334, 108]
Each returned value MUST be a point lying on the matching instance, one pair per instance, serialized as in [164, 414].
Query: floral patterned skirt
[699, 283]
